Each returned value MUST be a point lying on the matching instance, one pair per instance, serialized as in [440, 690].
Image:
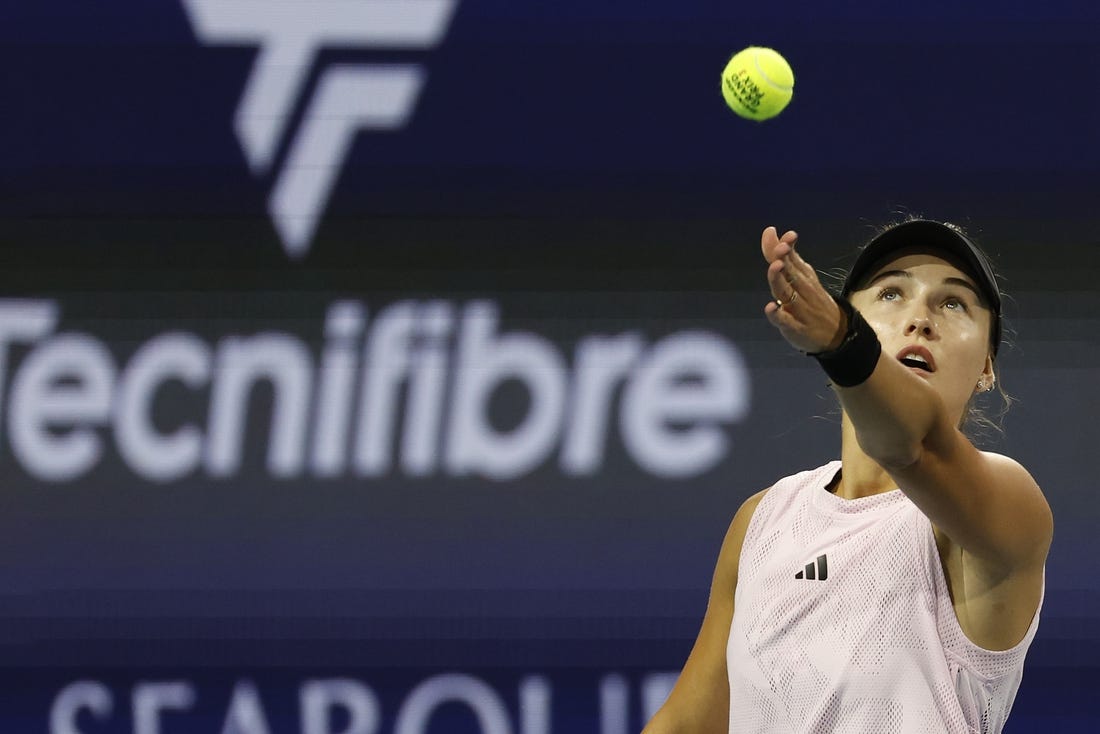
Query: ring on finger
[781, 303]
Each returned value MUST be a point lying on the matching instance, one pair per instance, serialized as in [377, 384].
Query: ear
[988, 379]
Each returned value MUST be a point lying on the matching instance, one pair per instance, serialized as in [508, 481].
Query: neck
[861, 476]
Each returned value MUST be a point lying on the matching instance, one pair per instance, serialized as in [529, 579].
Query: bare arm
[699, 702]
[986, 504]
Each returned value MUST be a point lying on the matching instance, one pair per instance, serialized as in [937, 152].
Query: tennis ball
[757, 83]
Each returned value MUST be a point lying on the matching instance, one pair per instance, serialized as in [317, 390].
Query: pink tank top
[843, 623]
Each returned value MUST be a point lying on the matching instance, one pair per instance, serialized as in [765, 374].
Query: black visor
[924, 233]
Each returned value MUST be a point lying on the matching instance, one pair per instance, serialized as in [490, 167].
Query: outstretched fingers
[773, 246]
[800, 266]
[802, 308]
[784, 282]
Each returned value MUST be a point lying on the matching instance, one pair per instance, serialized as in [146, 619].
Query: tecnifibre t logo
[348, 97]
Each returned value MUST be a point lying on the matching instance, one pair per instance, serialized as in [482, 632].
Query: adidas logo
[815, 570]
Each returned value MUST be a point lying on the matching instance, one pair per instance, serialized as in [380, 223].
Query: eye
[954, 303]
[889, 293]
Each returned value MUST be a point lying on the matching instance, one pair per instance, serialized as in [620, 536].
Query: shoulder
[730, 555]
[740, 524]
[749, 505]
[773, 501]
[1018, 521]
[1020, 487]
[1006, 464]
[1014, 478]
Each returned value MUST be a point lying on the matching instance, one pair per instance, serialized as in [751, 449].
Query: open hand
[803, 310]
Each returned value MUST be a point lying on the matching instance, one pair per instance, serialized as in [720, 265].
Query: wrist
[853, 360]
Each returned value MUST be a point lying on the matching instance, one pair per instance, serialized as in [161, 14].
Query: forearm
[894, 412]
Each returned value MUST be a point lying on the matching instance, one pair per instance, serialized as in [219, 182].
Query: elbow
[896, 431]
[895, 462]
[899, 447]
[891, 455]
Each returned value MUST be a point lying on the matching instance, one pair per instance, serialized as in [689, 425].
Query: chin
[923, 374]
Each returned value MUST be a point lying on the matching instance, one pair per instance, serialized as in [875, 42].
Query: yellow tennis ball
[757, 83]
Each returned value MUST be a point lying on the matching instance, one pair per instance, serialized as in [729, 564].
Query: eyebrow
[947, 281]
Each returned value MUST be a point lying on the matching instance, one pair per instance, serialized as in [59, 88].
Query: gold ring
[781, 303]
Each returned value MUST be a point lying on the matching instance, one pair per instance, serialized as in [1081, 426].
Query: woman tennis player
[896, 590]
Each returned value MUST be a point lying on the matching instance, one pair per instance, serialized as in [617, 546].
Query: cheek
[861, 300]
[972, 346]
[883, 319]
[973, 336]
[866, 305]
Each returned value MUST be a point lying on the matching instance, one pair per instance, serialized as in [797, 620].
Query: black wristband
[854, 360]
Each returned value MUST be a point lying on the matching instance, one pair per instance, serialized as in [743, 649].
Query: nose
[921, 322]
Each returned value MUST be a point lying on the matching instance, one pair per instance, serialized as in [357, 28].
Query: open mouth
[917, 357]
[917, 363]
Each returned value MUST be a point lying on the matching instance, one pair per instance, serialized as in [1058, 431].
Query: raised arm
[986, 504]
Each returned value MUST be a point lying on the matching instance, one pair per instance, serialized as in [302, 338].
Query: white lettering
[157, 456]
[246, 713]
[320, 699]
[491, 714]
[655, 690]
[687, 384]
[417, 393]
[65, 383]
[343, 327]
[386, 368]
[150, 699]
[427, 384]
[602, 362]
[534, 705]
[348, 706]
[614, 699]
[82, 695]
[241, 362]
[23, 321]
[485, 361]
